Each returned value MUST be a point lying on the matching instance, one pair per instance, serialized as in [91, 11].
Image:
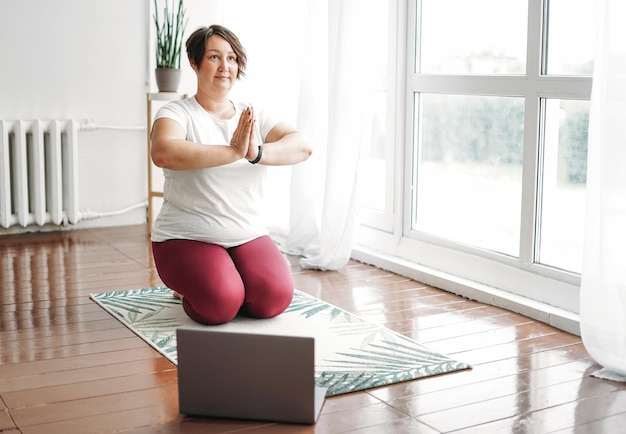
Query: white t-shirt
[221, 205]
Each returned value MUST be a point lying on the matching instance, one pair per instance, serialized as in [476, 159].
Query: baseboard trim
[556, 317]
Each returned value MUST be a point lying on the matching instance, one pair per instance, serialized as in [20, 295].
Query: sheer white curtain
[308, 58]
[328, 246]
[603, 288]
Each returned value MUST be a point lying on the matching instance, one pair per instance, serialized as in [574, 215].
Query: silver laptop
[247, 376]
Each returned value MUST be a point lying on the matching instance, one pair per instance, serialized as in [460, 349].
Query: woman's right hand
[240, 141]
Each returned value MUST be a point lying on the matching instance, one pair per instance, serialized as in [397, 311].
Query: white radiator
[38, 172]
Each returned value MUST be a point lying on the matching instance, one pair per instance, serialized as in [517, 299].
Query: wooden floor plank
[96, 347]
[34, 382]
[122, 383]
[43, 366]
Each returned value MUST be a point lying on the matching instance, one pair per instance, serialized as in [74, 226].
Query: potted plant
[170, 26]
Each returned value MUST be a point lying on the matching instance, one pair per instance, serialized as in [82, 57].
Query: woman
[209, 240]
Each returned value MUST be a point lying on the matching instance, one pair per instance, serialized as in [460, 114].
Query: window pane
[571, 37]
[564, 179]
[473, 37]
[469, 170]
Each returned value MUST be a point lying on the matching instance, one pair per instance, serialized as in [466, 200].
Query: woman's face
[219, 67]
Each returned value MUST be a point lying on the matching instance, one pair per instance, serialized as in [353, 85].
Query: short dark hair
[196, 45]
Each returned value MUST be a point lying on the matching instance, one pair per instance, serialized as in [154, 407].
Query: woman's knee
[209, 314]
[266, 275]
[219, 296]
[268, 301]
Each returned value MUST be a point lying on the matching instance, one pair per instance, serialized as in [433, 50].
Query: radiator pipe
[90, 125]
[90, 215]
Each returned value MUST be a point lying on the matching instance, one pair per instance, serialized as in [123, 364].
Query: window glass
[570, 37]
[472, 37]
[469, 169]
[563, 182]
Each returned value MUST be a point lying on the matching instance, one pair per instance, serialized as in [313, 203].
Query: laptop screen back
[247, 376]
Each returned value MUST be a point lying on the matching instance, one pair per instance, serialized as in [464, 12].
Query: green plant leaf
[170, 26]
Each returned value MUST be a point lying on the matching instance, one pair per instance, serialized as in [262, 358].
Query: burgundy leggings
[217, 283]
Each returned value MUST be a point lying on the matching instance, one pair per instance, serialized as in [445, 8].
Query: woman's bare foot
[177, 295]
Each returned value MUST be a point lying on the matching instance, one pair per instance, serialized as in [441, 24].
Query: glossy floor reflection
[66, 366]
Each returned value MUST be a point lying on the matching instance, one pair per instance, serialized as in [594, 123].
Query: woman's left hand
[253, 144]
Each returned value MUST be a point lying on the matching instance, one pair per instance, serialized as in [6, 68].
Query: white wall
[93, 59]
[83, 60]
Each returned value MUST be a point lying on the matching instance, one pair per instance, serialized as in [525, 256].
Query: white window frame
[542, 292]
[385, 220]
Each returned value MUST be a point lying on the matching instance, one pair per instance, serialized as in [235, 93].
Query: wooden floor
[66, 366]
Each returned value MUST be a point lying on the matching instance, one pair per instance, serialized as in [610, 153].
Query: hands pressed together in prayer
[244, 140]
